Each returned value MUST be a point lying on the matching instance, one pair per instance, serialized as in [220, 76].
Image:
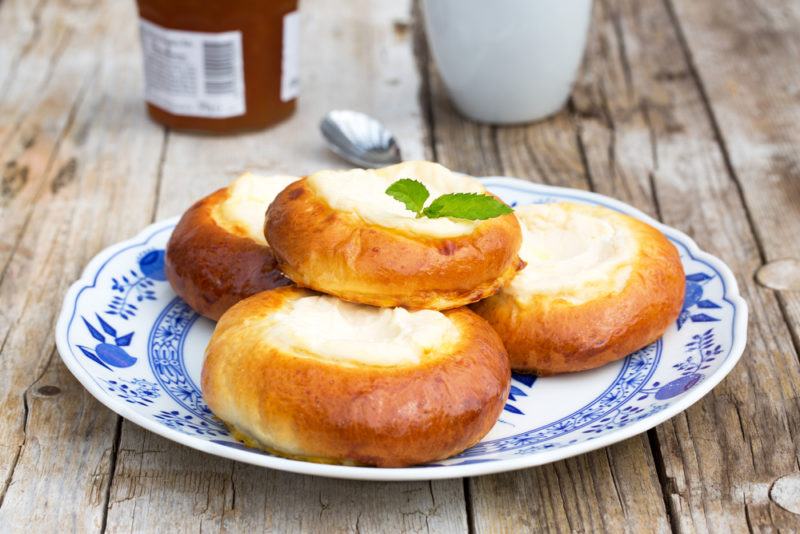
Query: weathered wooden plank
[615, 489]
[745, 59]
[367, 64]
[337, 505]
[610, 490]
[90, 182]
[745, 56]
[40, 90]
[547, 153]
[650, 141]
[161, 488]
[62, 476]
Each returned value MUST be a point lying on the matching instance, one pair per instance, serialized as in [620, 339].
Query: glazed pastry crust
[549, 335]
[351, 413]
[212, 268]
[339, 253]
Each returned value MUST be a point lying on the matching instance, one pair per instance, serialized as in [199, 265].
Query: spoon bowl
[359, 139]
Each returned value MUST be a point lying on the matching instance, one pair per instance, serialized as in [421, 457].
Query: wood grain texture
[755, 103]
[651, 141]
[688, 110]
[755, 106]
[615, 489]
[610, 490]
[66, 193]
[160, 486]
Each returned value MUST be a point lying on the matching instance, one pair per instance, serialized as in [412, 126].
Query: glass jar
[220, 66]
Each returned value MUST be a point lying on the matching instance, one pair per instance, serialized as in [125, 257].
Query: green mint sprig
[470, 206]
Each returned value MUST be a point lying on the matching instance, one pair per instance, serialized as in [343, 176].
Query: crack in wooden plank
[233, 485]
[495, 143]
[747, 517]
[15, 460]
[666, 487]
[25, 419]
[468, 505]
[616, 24]
[112, 468]
[564, 498]
[699, 463]
[537, 164]
[651, 178]
[644, 108]
[422, 58]
[614, 480]
[162, 157]
[587, 171]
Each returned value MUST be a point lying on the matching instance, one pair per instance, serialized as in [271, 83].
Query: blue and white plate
[139, 350]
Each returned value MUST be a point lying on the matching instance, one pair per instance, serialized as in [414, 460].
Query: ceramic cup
[507, 61]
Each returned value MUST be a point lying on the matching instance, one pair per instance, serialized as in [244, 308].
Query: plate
[138, 349]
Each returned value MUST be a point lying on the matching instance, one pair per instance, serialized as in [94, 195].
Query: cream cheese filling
[363, 192]
[329, 328]
[573, 252]
[249, 196]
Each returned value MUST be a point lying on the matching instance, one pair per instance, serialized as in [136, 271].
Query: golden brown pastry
[311, 376]
[217, 254]
[339, 232]
[598, 285]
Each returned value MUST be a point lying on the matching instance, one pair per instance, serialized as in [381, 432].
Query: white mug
[507, 61]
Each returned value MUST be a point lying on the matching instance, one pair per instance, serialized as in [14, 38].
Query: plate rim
[89, 275]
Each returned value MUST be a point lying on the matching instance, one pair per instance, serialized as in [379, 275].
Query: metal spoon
[359, 139]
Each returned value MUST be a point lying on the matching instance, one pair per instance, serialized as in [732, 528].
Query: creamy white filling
[249, 196]
[363, 192]
[575, 252]
[329, 328]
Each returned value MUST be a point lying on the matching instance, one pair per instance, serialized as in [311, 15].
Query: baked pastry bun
[313, 377]
[340, 233]
[598, 285]
[217, 254]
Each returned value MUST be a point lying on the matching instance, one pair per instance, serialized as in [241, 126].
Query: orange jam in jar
[220, 66]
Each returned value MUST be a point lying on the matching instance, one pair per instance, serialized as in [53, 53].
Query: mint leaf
[471, 206]
[410, 192]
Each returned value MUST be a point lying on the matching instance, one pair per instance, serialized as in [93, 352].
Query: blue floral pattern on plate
[137, 391]
[138, 348]
[136, 286]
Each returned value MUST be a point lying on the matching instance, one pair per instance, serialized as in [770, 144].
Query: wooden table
[688, 110]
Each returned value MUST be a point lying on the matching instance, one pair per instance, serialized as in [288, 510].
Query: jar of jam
[220, 65]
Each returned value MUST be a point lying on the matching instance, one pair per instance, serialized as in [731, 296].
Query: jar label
[290, 61]
[194, 74]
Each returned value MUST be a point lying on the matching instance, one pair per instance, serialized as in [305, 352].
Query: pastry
[217, 254]
[340, 233]
[598, 285]
[313, 377]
